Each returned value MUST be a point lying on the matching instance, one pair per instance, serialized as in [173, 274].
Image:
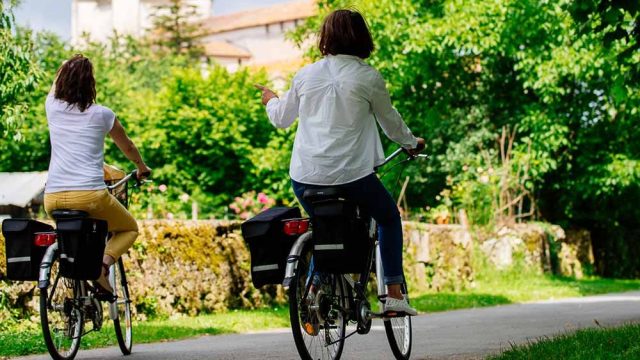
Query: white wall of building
[100, 18]
[266, 43]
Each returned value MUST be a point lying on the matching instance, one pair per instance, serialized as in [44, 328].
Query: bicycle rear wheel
[60, 316]
[120, 309]
[399, 334]
[318, 321]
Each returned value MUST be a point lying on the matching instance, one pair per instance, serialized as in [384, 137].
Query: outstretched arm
[282, 112]
[128, 148]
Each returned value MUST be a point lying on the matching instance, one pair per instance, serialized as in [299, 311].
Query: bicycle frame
[301, 242]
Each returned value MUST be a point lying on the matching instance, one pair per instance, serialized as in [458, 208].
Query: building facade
[98, 19]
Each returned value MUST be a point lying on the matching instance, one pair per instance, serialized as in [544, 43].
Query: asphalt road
[462, 334]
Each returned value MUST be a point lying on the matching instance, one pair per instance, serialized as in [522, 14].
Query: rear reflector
[296, 227]
[44, 239]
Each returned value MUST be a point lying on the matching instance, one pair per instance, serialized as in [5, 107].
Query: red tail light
[296, 227]
[44, 239]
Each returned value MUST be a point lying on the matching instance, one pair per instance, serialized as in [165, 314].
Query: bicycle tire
[53, 313]
[296, 312]
[122, 307]
[400, 335]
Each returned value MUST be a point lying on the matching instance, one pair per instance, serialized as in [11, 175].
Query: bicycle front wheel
[399, 335]
[60, 316]
[318, 320]
[121, 308]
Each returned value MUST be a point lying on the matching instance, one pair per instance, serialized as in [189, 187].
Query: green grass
[517, 285]
[31, 342]
[589, 344]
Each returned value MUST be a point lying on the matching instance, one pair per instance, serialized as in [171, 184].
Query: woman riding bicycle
[339, 99]
[77, 129]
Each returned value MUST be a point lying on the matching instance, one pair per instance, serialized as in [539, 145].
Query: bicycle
[66, 304]
[319, 321]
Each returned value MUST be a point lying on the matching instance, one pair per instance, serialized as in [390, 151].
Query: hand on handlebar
[418, 148]
[143, 172]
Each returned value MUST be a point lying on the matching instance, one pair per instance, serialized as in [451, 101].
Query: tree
[19, 73]
[175, 29]
[461, 71]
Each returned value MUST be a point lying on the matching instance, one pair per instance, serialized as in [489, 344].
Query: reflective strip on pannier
[329, 247]
[266, 267]
[18, 259]
[69, 259]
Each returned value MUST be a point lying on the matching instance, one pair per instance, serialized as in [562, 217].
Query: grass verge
[27, 342]
[518, 284]
[587, 344]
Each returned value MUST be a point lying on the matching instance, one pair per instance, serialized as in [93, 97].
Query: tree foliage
[18, 72]
[461, 71]
[174, 28]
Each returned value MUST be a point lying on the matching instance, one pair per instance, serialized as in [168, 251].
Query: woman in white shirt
[339, 99]
[77, 129]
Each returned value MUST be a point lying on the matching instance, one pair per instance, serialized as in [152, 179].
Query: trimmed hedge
[192, 267]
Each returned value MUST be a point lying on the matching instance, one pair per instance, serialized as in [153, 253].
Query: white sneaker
[399, 305]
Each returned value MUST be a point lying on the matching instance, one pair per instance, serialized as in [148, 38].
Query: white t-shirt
[339, 99]
[77, 145]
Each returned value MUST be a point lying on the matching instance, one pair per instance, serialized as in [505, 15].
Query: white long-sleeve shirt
[338, 100]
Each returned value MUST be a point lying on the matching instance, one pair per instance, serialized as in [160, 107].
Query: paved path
[462, 334]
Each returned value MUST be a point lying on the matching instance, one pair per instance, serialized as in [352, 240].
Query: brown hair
[75, 83]
[345, 32]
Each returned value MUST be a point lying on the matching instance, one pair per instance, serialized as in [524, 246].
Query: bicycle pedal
[105, 297]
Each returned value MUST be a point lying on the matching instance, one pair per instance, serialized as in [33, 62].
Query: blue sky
[55, 15]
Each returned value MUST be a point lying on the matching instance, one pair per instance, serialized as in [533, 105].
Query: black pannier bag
[268, 244]
[23, 256]
[341, 241]
[82, 243]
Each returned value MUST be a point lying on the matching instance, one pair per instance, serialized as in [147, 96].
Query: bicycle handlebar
[395, 154]
[132, 175]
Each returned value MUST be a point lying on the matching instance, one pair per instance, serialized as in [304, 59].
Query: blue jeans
[373, 198]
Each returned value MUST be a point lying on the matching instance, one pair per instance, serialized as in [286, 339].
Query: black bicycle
[67, 305]
[322, 304]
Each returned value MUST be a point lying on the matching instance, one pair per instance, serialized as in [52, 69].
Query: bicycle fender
[45, 266]
[294, 255]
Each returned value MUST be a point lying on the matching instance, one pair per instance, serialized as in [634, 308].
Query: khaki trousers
[100, 205]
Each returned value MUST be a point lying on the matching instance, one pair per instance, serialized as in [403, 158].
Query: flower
[162, 188]
[235, 208]
[184, 197]
[170, 216]
[262, 198]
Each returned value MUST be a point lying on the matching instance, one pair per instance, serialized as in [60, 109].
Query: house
[256, 37]
[98, 19]
[21, 194]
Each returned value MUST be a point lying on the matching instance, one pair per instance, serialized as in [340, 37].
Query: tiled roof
[225, 49]
[261, 16]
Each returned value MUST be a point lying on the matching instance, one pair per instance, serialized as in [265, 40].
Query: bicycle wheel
[60, 316]
[399, 334]
[318, 321]
[121, 307]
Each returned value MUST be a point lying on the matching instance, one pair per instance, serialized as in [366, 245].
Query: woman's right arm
[128, 148]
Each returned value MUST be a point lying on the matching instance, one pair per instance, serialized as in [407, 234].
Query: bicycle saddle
[320, 194]
[68, 214]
